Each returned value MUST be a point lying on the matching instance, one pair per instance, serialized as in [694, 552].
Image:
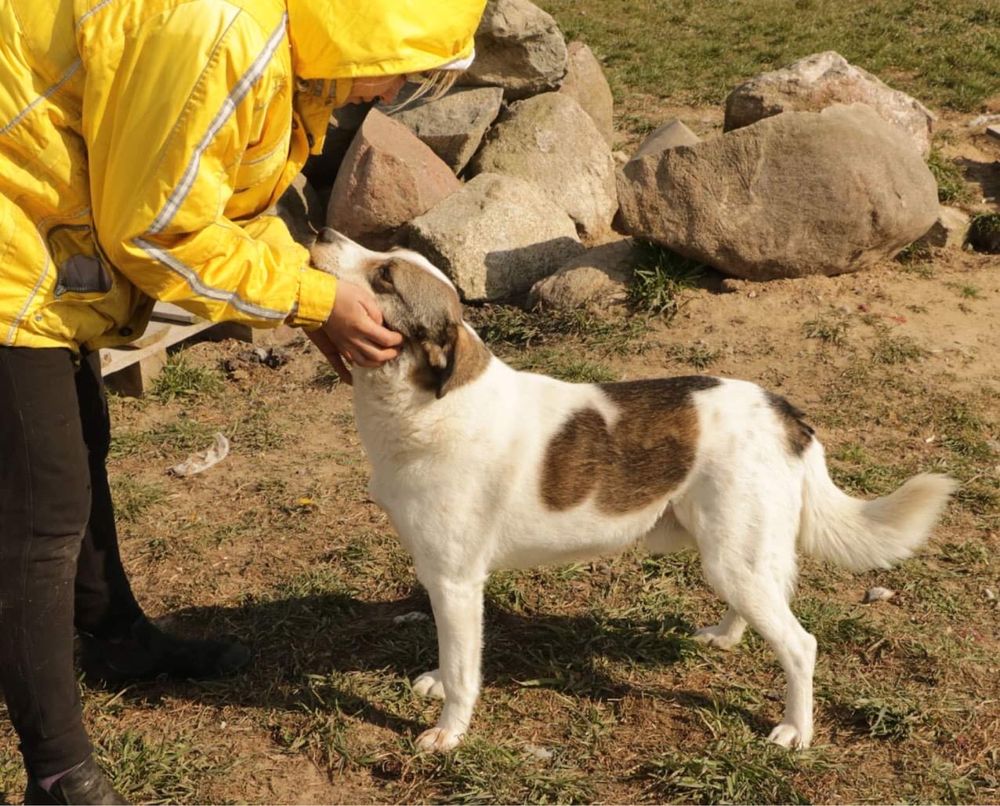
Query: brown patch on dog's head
[798, 433]
[646, 455]
[426, 311]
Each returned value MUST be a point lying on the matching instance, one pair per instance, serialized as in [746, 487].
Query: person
[141, 142]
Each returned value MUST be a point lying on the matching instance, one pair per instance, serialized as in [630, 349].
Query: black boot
[83, 784]
[147, 652]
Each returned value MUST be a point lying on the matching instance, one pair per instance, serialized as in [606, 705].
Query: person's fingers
[337, 362]
[366, 351]
[332, 354]
[371, 307]
[373, 330]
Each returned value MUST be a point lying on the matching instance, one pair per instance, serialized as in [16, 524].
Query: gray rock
[670, 134]
[585, 83]
[518, 47]
[796, 194]
[495, 237]
[950, 229]
[453, 126]
[819, 81]
[550, 141]
[596, 280]
[387, 178]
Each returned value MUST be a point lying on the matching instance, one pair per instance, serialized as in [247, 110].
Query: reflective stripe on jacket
[141, 142]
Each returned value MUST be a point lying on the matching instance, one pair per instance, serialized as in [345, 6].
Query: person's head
[372, 47]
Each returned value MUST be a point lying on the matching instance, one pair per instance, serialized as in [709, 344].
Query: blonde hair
[431, 85]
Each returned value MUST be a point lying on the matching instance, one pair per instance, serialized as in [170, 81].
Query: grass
[942, 54]
[829, 329]
[134, 497]
[659, 279]
[593, 690]
[180, 379]
[722, 774]
[952, 187]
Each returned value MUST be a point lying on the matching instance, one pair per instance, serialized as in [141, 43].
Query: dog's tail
[860, 535]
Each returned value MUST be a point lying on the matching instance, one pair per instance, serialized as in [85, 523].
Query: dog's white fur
[460, 477]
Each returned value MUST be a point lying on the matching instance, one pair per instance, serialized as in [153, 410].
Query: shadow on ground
[298, 639]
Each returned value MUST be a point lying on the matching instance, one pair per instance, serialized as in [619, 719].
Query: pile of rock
[508, 182]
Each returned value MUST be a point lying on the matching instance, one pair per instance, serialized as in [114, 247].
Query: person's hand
[354, 333]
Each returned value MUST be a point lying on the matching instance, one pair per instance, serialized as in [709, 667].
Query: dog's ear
[441, 354]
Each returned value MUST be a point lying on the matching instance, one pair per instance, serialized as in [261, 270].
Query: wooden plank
[138, 377]
[117, 358]
[168, 312]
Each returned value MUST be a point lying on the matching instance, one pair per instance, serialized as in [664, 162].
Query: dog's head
[440, 352]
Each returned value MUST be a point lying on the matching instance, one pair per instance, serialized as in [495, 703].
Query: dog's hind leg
[724, 635]
[748, 556]
[458, 615]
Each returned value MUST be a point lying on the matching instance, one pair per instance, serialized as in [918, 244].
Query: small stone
[949, 231]
[670, 134]
[535, 751]
[877, 595]
[993, 131]
[411, 617]
[990, 594]
[595, 280]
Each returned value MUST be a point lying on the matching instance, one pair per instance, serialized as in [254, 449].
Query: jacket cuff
[317, 291]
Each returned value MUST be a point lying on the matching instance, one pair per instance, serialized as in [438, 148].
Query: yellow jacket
[141, 142]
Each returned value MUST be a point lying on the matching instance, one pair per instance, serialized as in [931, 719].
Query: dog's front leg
[458, 615]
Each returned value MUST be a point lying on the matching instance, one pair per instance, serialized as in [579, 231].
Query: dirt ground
[593, 689]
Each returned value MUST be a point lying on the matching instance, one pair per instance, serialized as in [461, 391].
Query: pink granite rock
[387, 178]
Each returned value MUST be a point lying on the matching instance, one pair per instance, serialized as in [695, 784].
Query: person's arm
[166, 132]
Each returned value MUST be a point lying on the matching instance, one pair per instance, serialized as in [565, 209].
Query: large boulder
[321, 169]
[819, 81]
[585, 83]
[550, 141]
[388, 177]
[518, 47]
[453, 126]
[796, 194]
[596, 280]
[495, 237]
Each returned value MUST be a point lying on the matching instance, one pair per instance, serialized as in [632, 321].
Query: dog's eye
[383, 277]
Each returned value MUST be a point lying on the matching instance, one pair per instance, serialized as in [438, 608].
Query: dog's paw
[429, 685]
[717, 637]
[438, 740]
[787, 735]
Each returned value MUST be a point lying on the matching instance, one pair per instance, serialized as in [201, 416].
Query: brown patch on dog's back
[643, 457]
[798, 433]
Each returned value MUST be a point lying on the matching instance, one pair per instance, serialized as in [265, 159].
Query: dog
[481, 467]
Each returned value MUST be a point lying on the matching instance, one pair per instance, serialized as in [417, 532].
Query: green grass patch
[893, 349]
[829, 329]
[506, 326]
[482, 772]
[726, 771]
[168, 769]
[659, 279]
[943, 54]
[182, 380]
[564, 365]
[168, 439]
[133, 497]
[952, 187]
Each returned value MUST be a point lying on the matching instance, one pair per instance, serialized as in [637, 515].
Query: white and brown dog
[481, 467]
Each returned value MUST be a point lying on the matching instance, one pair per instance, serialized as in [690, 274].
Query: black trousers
[59, 560]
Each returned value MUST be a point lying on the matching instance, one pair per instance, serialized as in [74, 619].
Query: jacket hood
[341, 39]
